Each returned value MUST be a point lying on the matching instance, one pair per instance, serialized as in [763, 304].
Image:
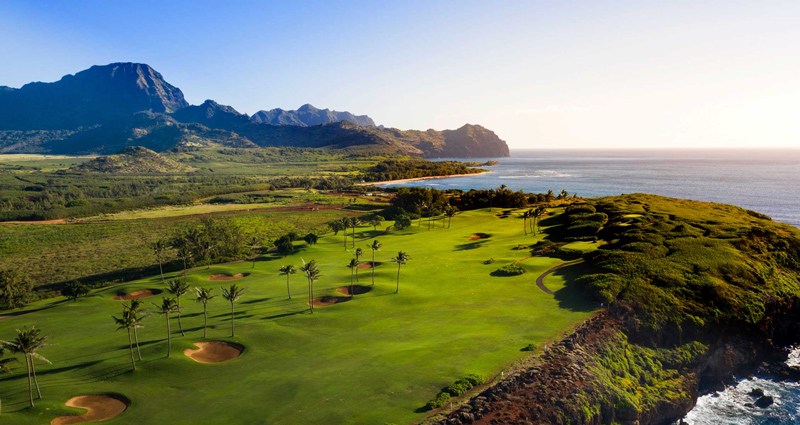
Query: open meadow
[377, 357]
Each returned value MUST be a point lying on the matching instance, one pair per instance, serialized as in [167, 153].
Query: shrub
[509, 270]
[530, 347]
[457, 388]
[439, 401]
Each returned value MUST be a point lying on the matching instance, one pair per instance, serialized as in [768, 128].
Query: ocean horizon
[762, 180]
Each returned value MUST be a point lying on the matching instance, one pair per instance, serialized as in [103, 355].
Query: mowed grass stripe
[374, 359]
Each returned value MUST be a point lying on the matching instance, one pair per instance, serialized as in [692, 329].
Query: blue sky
[541, 74]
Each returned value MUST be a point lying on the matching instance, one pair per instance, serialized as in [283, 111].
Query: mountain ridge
[108, 107]
[308, 115]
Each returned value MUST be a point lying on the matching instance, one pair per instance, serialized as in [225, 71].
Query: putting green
[374, 359]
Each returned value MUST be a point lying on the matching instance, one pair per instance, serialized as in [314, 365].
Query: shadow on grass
[471, 245]
[571, 297]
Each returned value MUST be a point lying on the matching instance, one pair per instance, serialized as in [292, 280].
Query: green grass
[375, 359]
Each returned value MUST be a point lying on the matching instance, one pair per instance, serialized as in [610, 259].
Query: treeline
[393, 169]
[418, 201]
[48, 197]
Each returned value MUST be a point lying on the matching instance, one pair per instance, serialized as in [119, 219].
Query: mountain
[134, 159]
[307, 115]
[98, 95]
[107, 108]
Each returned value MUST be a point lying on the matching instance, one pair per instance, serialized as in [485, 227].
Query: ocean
[763, 180]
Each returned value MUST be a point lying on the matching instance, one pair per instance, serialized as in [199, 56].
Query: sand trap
[477, 236]
[100, 407]
[225, 276]
[357, 290]
[214, 351]
[136, 295]
[326, 301]
[368, 265]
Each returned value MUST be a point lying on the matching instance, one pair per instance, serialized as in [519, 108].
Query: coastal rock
[764, 402]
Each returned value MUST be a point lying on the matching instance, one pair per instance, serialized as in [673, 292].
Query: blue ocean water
[763, 180]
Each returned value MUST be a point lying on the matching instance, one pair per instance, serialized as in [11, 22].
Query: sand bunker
[477, 236]
[214, 351]
[368, 265]
[225, 276]
[100, 407]
[357, 290]
[135, 295]
[326, 301]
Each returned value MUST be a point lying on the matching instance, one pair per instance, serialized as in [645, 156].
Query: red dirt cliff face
[546, 392]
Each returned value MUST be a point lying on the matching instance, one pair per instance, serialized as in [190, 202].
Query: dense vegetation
[681, 265]
[394, 169]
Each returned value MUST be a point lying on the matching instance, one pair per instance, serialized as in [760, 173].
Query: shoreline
[385, 182]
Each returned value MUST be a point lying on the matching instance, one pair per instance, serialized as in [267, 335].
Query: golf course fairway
[375, 359]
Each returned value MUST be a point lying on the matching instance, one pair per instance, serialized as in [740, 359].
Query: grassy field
[106, 244]
[375, 359]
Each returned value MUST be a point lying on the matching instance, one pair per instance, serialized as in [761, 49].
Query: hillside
[308, 115]
[695, 293]
[134, 159]
[98, 95]
[106, 108]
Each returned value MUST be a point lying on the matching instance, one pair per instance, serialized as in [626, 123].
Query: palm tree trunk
[30, 389]
[398, 279]
[178, 298]
[310, 296]
[184, 269]
[354, 237]
[357, 273]
[205, 320]
[169, 337]
[373, 267]
[35, 381]
[288, 291]
[161, 269]
[130, 345]
[232, 329]
[525, 225]
[351, 282]
[136, 338]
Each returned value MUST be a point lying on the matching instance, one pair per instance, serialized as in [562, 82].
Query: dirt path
[540, 279]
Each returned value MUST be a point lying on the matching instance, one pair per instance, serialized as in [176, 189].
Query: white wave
[538, 174]
[728, 406]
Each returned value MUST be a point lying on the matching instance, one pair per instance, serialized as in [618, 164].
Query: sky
[541, 74]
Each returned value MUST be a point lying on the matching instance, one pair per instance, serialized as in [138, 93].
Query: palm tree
[532, 223]
[288, 271]
[419, 206]
[345, 224]
[177, 287]
[451, 212]
[375, 222]
[128, 321]
[400, 259]
[134, 307]
[354, 221]
[525, 216]
[232, 294]
[204, 296]
[158, 248]
[254, 242]
[181, 244]
[358, 253]
[311, 270]
[353, 265]
[167, 307]
[374, 246]
[5, 369]
[540, 211]
[27, 342]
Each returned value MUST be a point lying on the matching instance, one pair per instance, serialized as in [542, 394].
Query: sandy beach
[421, 178]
